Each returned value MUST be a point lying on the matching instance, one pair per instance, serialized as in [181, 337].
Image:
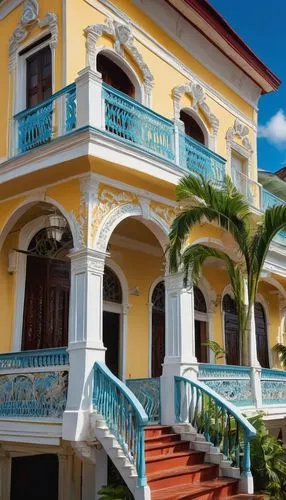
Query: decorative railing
[247, 186]
[270, 200]
[197, 158]
[33, 384]
[53, 117]
[147, 391]
[124, 416]
[129, 120]
[217, 419]
[231, 382]
[273, 387]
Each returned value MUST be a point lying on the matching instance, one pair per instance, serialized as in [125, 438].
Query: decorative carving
[164, 211]
[236, 391]
[30, 12]
[123, 40]
[112, 219]
[241, 131]
[29, 17]
[197, 93]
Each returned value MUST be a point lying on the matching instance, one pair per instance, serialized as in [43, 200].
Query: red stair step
[165, 462]
[181, 475]
[209, 490]
[165, 438]
[157, 449]
[157, 430]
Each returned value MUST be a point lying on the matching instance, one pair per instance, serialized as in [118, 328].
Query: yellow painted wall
[7, 295]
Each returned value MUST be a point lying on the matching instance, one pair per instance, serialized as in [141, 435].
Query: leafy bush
[111, 492]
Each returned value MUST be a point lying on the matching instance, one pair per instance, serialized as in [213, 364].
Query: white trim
[7, 6]
[122, 310]
[126, 67]
[159, 50]
[191, 112]
[150, 311]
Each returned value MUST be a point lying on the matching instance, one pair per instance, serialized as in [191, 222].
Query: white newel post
[180, 356]
[85, 339]
[254, 364]
[89, 99]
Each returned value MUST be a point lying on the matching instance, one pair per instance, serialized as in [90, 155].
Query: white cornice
[106, 7]
[7, 6]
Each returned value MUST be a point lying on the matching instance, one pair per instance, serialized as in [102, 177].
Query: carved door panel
[158, 342]
[46, 307]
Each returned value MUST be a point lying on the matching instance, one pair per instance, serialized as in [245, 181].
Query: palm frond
[280, 349]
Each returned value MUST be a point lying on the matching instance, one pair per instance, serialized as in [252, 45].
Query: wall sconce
[217, 301]
[134, 291]
[55, 226]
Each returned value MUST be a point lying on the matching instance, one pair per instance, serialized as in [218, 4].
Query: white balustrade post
[85, 339]
[179, 128]
[89, 99]
[180, 355]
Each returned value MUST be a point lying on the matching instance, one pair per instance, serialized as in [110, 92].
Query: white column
[89, 99]
[85, 339]
[180, 341]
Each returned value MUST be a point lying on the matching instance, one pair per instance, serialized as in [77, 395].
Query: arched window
[46, 305]
[200, 326]
[112, 291]
[158, 328]
[261, 335]
[231, 331]
[114, 76]
[192, 128]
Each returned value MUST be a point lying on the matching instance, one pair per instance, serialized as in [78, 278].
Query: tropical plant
[268, 461]
[115, 492]
[226, 207]
[214, 346]
[280, 349]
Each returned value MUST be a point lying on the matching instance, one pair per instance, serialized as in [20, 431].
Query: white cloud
[275, 129]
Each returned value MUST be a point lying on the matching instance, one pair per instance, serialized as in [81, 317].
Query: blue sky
[262, 25]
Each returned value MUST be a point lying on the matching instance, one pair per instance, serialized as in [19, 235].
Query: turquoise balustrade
[273, 387]
[197, 158]
[231, 382]
[147, 391]
[34, 359]
[270, 200]
[123, 414]
[35, 125]
[217, 419]
[130, 121]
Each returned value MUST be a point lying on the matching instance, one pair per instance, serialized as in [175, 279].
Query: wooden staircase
[175, 472]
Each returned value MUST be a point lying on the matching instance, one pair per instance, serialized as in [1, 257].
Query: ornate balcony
[33, 384]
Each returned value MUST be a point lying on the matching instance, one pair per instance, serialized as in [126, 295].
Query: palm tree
[202, 201]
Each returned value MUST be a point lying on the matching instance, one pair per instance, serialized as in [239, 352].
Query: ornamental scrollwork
[240, 131]
[166, 212]
[197, 93]
[123, 40]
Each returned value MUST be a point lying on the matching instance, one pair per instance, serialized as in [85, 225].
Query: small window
[192, 128]
[114, 76]
[38, 77]
[238, 163]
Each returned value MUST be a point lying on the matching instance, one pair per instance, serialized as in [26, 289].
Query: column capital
[88, 259]
[175, 282]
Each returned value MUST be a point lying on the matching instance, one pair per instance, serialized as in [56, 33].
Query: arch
[32, 201]
[194, 117]
[122, 310]
[197, 94]
[123, 39]
[153, 221]
[126, 67]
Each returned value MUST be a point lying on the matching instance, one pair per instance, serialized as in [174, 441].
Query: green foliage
[280, 349]
[214, 346]
[201, 202]
[118, 492]
[268, 461]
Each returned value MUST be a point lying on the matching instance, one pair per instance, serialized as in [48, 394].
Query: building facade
[104, 106]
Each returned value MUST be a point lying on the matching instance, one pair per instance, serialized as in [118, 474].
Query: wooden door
[231, 331]
[158, 342]
[34, 477]
[111, 335]
[261, 336]
[200, 339]
[39, 77]
[46, 307]
[113, 75]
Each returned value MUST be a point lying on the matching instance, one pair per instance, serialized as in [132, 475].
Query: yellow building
[104, 106]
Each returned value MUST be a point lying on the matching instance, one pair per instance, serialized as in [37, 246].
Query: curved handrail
[211, 415]
[38, 358]
[124, 415]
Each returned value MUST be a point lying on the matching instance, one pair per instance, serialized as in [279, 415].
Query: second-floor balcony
[104, 109]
